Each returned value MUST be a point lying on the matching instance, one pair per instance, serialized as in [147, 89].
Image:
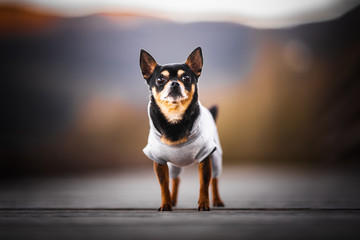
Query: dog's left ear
[147, 64]
[195, 61]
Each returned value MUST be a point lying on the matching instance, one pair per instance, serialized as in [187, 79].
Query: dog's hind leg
[175, 180]
[217, 202]
[216, 170]
[174, 190]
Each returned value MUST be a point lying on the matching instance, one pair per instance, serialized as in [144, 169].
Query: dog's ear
[147, 64]
[195, 61]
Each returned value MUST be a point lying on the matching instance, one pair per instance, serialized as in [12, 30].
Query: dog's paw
[165, 207]
[218, 203]
[204, 207]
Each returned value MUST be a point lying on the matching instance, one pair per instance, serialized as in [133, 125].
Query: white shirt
[203, 140]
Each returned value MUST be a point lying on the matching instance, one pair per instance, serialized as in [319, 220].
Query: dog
[182, 131]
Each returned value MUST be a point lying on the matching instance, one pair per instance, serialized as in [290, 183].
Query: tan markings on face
[174, 111]
[173, 143]
[165, 73]
[180, 72]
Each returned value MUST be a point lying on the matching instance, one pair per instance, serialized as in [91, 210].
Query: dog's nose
[174, 84]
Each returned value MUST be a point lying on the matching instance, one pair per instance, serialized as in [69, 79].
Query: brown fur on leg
[205, 175]
[162, 172]
[217, 202]
[174, 190]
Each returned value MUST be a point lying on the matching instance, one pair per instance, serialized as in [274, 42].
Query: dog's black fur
[175, 132]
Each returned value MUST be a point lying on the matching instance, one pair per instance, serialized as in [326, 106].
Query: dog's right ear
[147, 64]
[195, 61]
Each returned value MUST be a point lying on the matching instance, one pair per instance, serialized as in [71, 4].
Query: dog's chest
[173, 114]
[200, 143]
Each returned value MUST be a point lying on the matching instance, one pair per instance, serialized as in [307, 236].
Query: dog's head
[173, 86]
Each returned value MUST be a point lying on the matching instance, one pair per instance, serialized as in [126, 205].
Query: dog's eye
[185, 78]
[160, 80]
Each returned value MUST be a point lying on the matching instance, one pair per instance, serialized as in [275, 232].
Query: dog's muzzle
[175, 85]
[175, 90]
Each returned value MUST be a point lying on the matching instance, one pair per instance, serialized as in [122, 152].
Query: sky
[254, 13]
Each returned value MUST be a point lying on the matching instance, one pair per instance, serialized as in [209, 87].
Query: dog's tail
[214, 112]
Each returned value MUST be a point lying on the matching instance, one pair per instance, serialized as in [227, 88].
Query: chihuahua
[182, 131]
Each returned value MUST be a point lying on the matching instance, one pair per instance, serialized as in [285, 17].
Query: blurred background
[285, 77]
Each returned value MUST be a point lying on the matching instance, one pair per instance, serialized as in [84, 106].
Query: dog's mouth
[175, 96]
[175, 93]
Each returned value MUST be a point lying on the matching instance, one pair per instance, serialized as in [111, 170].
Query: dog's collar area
[193, 134]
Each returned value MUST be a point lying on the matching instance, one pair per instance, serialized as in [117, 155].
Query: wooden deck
[260, 204]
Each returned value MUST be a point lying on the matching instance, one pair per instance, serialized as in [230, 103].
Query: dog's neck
[174, 133]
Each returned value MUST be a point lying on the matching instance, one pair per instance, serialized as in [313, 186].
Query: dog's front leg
[205, 175]
[162, 172]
